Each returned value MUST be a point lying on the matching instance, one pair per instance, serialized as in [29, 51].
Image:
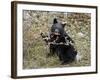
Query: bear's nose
[56, 30]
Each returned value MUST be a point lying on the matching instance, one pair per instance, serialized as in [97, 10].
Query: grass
[34, 48]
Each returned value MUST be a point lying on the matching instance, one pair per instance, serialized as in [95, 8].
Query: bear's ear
[63, 24]
[55, 21]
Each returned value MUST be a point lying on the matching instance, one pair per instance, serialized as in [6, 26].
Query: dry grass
[34, 48]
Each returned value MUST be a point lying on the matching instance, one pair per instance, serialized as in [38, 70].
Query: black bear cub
[60, 43]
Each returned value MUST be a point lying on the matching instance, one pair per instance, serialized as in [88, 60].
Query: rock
[78, 57]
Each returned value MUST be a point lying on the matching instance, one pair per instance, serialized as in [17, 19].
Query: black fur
[62, 47]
